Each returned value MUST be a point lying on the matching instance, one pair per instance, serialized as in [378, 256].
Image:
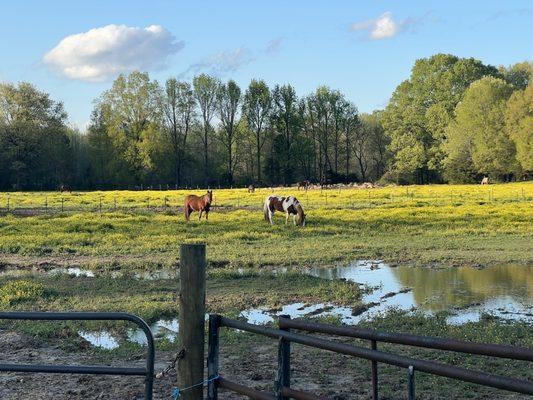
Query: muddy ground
[251, 362]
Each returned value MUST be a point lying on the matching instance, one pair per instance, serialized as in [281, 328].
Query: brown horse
[197, 203]
[304, 184]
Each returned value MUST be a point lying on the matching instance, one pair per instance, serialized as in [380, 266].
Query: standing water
[505, 291]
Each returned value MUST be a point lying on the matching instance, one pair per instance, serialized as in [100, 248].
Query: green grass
[409, 231]
[227, 293]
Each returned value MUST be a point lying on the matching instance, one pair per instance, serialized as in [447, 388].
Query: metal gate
[286, 337]
[147, 372]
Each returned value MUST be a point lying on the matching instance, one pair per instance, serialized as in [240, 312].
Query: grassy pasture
[438, 224]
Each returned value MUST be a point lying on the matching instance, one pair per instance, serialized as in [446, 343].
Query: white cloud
[274, 45]
[223, 62]
[385, 26]
[102, 53]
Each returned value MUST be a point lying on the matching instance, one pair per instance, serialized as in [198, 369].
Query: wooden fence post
[192, 319]
[212, 356]
[284, 365]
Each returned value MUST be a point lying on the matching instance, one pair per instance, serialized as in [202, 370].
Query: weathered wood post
[192, 319]
[284, 365]
[212, 356]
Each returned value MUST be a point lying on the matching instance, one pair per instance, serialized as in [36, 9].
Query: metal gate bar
[435, 368]
[147, 372]
[492, 350]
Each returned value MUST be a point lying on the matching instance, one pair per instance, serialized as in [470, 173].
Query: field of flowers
[438, 224]
[349, 197]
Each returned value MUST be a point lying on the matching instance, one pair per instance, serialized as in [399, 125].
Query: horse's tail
[186, 208]
[266, 209]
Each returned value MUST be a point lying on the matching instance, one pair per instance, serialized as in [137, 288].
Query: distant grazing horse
[64, 188]
[288, 205]
[326, 183]
[485, 180]
[305, 184]
[196, 203]
[251, 188]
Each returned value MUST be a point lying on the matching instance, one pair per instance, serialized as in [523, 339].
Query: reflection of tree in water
[457, 287]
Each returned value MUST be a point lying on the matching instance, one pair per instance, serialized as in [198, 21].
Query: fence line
[374, 197]
[286, 336]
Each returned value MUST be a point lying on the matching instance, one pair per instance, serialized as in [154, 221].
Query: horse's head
[302, 218]
[301, 214]
[209, 196]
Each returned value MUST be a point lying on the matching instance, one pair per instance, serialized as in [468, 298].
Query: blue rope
[176, 393]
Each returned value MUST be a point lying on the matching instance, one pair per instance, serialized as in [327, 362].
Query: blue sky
[365, 49]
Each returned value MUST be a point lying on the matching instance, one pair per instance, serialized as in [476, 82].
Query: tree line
[453, 120]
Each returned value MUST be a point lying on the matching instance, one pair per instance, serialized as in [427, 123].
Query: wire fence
[343, 198]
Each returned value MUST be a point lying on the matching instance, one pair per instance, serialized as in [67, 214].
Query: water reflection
[102, 339]
[443, 289]
[505, 291]
[260, 316]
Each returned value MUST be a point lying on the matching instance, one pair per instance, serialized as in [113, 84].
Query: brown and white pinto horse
[289, 205]
[65, 188]
[196, 203]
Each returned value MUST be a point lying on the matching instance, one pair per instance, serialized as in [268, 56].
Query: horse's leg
[200, 215]
[286, 218]
[294, 219]
[206, 215]
[187, 213]
[270, 215]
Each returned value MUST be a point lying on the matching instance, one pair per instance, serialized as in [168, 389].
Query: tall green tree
[101, 150]
[256, 108]
[350, 124]
[132, 116]
[477, 138]
[519, 124]
[229, 102]
[422, 107]
[519, 75]
[205, 90]
[34, 140]
[178, 104]
[374, 146]
[287, 118]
